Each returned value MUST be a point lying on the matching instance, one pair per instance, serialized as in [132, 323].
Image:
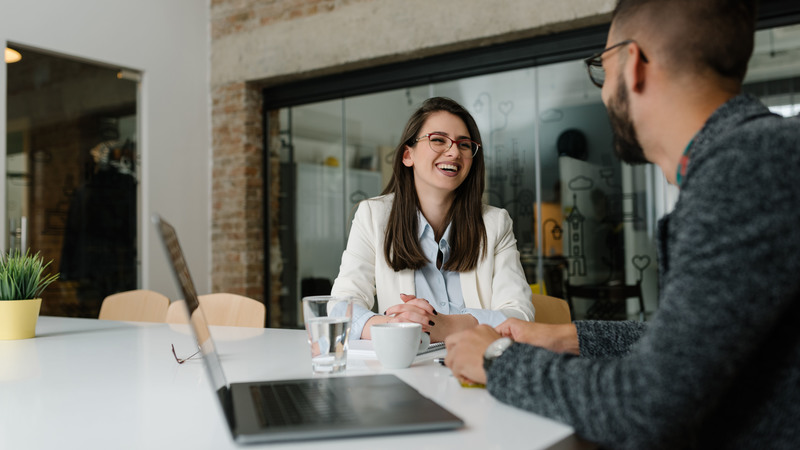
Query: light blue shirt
[441, 288]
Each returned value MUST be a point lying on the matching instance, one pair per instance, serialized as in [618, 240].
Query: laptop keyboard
[294, 404]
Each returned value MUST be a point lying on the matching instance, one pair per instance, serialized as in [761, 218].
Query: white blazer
[497, 283]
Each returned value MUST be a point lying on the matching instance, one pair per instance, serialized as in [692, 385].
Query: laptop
[312, 408]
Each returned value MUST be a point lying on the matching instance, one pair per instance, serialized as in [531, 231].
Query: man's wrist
[568, 340]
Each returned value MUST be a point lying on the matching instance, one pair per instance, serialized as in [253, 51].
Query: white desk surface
[85, 383]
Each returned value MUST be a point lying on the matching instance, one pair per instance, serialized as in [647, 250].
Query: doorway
[71, 175]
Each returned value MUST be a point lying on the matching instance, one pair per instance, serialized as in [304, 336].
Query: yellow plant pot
[18, 318]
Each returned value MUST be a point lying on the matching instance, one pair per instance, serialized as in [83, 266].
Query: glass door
[71, 184]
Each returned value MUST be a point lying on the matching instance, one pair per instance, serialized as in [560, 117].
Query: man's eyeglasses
[441, 143]
[182, 360]
[594, 63]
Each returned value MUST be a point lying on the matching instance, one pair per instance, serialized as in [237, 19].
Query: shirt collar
[423, 226]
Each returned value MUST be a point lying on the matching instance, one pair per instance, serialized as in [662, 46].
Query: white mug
[396, 344]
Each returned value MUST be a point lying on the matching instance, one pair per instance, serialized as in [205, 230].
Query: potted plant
[22, 281]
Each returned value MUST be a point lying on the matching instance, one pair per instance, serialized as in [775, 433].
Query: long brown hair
[467, 231]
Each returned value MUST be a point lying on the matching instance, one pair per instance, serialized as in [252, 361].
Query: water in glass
[328, 339]
[327, 322]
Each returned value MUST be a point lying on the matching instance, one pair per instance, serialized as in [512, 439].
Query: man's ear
[635, 68]
[407, 161]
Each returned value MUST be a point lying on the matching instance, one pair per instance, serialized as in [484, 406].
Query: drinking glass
[327, 320]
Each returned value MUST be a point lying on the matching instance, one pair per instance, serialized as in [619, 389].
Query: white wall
[169, 42]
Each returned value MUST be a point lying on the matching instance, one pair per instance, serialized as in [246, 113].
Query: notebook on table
[364, 348]
[312, 408]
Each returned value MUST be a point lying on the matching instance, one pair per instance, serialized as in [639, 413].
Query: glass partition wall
[549, 161]
[581, 218]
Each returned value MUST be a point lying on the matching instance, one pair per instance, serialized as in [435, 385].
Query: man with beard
[718, 366]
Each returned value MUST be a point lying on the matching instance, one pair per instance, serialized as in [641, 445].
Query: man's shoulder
[744, 153]
[744, 122]
[744, 133]
[767, 127]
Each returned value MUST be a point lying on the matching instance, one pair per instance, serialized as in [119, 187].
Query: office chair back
[223, 309]
[140, 305]
[550, 309]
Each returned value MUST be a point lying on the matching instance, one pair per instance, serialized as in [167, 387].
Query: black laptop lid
[197, 319]
[383, 403]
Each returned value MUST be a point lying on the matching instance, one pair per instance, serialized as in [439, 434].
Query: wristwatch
[494, 351]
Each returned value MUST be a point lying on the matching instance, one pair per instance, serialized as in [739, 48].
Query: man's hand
[465, 351]
[556, 338]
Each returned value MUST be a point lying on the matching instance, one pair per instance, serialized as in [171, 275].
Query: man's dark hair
[697, 35]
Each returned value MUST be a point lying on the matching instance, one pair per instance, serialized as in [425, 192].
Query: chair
[550, 309]
[610, 299]
[140, 305]
[223, 309]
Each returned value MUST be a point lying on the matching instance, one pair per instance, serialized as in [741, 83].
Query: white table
[85, 383]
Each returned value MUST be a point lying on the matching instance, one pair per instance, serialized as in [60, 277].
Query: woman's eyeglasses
[440, 143]
[182, 360]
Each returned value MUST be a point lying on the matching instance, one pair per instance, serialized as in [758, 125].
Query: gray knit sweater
[718, 366]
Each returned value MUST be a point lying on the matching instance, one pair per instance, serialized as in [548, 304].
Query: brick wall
[237, 228]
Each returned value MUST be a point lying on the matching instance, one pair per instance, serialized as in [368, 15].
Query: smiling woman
[433, 253]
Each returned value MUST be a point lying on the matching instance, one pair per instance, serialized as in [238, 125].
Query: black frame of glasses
[596, 60]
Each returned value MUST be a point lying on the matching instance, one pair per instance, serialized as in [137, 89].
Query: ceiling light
[12, 56]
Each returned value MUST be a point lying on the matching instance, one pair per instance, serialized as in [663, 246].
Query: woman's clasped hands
[419, 310]
[413, 309]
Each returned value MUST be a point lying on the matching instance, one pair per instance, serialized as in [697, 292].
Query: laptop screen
[198, 322]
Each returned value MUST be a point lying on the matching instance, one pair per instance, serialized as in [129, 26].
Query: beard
[626, 144]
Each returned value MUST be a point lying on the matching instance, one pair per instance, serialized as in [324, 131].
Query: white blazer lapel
[469, 289]
[405, 281]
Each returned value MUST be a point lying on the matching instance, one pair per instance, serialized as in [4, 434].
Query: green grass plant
[22, 276]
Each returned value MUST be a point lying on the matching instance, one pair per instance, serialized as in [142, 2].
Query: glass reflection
[71, 176]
